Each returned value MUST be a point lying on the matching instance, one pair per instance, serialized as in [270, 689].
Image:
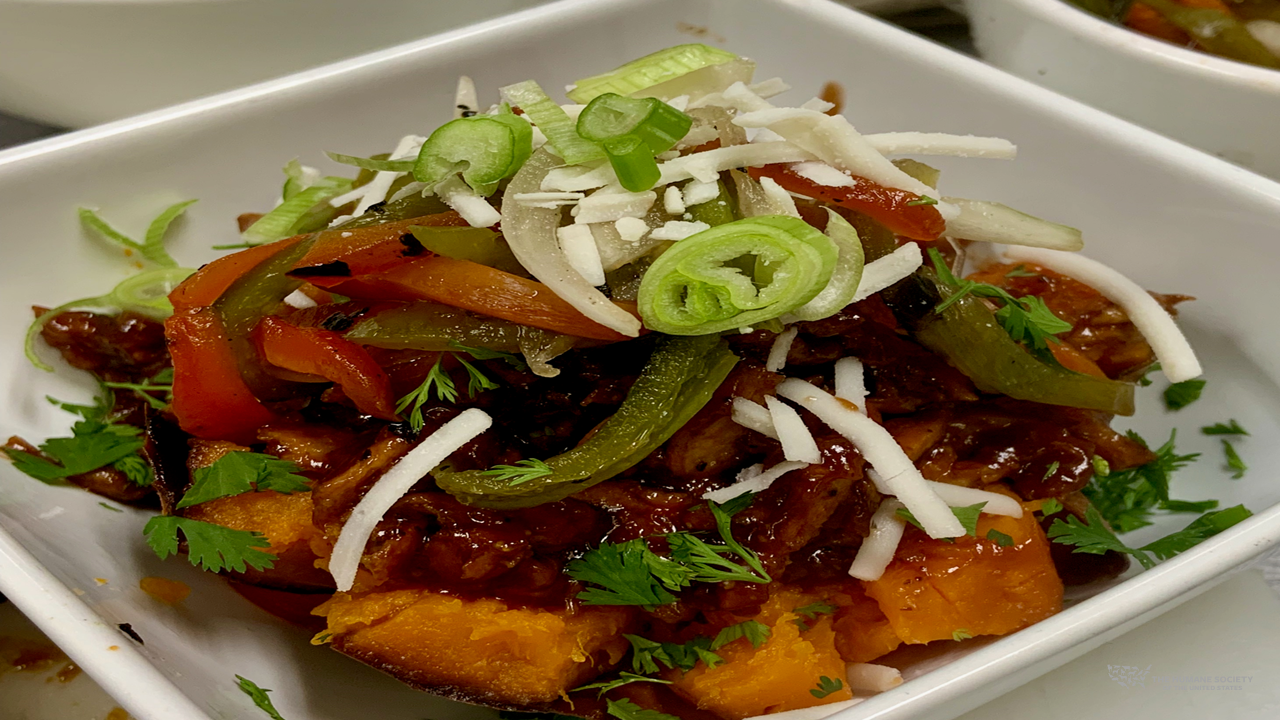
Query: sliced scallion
[484, 148]
[283, 221]
[553, 121]
[632, 131]
[650, 70]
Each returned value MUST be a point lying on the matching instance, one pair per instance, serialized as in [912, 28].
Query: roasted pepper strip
[430, 326]
[967, 335]
[208, 283]
[482, 289]
[341, 253]
[316, 351]
[210, 399]
[891, 208]
[681, 376]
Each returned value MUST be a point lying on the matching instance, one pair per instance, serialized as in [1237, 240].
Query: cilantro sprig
[624, 678]
[1182, 394]
[624, 709]
[1234, 462]
[259, 696]
[95, 442]
[161, 382]
[1092, 535]
[1128, 499]
[212, 547]
[1228, 428]
[809, 613]
[1027, 320]
[649, 656]
[240, 472]
[968, 517]
[826, 686]
[445, 389]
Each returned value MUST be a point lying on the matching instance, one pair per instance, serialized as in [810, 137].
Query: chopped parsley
[1051, 470]
[968, 517]
[1127, 499]
[1145, 380]
[522, 472]
[810, 612]
[1092, 535]
[1050, 506]
[826, 686]
[624, 678]
[1228, 428]
[1234, 462]
[446, 390]
[1027, 320]
[95, 442]
[626, 710]
[755, 632]
[999, 538]
[259, 697]
[1180, 395]
[960, 634]
[161, 382]
[240, 472]
[212, 547]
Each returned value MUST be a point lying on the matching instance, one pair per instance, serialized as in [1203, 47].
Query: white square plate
[1173, 218]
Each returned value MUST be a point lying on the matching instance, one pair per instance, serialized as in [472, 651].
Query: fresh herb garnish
[212, 547]
[522, 472]
[477, 382]
[1145, 380]
[968, 517]
[160, 382]
[756, 633]
[241, 472]
[1233, 460]
[1051, 470]
[1180, 395]
[436, 379]
[810, 612]
[960, 634]
[1027, 320]
[624, 678]
[152, 247]
[1127, 499]
[922, 200]
[1093, 537]
[1228, 428]
[112, 508]
[624, 709]
[482, 353]
[95, 442]
[1021, 271]
[999, 538]
[826, 686]
[1050, 506]
[259, 697]
[649, 656]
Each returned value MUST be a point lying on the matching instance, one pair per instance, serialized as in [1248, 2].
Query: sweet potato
[775, 677]
[934, 588]
[863, 633]
[478, 650]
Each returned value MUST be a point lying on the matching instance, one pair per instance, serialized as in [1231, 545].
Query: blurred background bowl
[1224, 107]
[80, 62]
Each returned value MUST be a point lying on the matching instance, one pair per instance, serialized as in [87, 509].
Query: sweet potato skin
[775, 677]
[479, 649]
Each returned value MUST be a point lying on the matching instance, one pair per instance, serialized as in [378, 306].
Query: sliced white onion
[474, 209]
[877, 549]
[817, 712]
[1177, 360]
[577, 178]
[754, 479]
[678, 230]
[851, 384]
[920, 143]
[960, 496]
[880, 274]
[709, 164]
[579, 247]
[781, 346]
[753, 416]
[798, 444]
[375, 191]
[992, 222]
[673, 200]
[780, 199]
[867, 677]
[392, 486]
[882, 452]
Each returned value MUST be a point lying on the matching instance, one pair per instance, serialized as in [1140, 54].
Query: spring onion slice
[645, 72]
[553, 121]
[152, 248]
[146, 293]
[366, 163]
[484, 148]
[531, 234]
[694, 288]
[282, 222]
[632, 131]
[846, 276]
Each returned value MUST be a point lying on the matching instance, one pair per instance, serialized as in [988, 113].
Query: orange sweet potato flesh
[775, 677]
[933, 588]
[863, 633]
[477, 650]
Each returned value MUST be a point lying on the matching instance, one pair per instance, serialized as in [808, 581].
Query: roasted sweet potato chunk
[479, 650]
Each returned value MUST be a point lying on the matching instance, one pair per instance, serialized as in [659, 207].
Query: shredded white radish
[698, 192]
[867, 677]
[816, 712]
[708, 165]
[822, 174]
[769, 88]
[986, 221]
[921, 143]
[815, 104]
[602, 206]
[780, 199]
[577, 178]
[1177, 360]
[754, 479]
[393, 484]
[579, 247]
[549, 200]
[960, 496]
[673, 200]
[1266, 32]
[778, 352]
[848, 150]
[798, 444]
[678, 230]
[851, 384]
[631, 229]
[474, 209]
[300, 300]
[753, 416]
[877, 549]
[900, 476]
[465, 99]
[896, 266]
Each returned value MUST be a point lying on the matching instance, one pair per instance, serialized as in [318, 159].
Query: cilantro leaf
[826, 686]
[624, 678]
[161, 382]
[1200, 529]
[811, 611]
[1021, 271]
[756, 633]
[477, 382]
[1233, 460]
[136, 470]
[707, 562]
[212, 547]
[723, 514]
[1180, 395]
[646, 654]
[482, 353]
[999, 538]
[259, 697]
[523, 471]
[93, 444]
[1186, 506]
[1128, 498]
[436, 379]
[1231, 428]
[623, 572]
[626, 710]
[1050, 506]
[241, 472]
[1093, 537]
[960, 634]
[968, 517]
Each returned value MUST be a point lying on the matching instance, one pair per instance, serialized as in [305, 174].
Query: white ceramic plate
[1173, 218]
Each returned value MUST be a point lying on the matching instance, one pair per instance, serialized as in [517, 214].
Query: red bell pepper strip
[887, 206]
[316, 351]
[210, 399]
[338, 255]
[480, 289]
[208, 283]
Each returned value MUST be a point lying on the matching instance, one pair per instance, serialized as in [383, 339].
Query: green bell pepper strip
[719, 210]
[432, 327]
[479, 245]
[701, 285]
[484, 148]
[645, 72]
[411, 206]
[967, 334]
[1217, 32]
[680, 378]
